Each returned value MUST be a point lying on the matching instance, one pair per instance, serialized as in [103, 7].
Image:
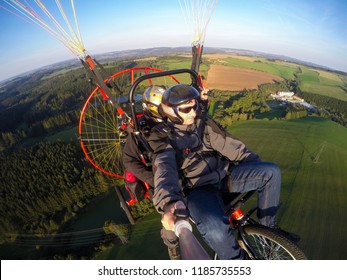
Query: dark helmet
[151, 100]
[175, 96]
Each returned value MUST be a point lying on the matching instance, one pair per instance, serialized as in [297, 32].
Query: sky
[310, 30]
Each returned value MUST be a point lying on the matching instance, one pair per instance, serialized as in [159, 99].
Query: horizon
[312, 32]
[261, 54]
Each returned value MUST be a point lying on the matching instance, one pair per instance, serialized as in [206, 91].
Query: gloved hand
[168, 219]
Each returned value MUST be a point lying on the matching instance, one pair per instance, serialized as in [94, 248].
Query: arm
[166, 179]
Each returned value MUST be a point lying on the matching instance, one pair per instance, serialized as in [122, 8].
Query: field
[234, 78]
[323, 83]
[145, 242]
[282, 69]
[313, 157]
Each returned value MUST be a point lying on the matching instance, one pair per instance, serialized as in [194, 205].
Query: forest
[44, 186]
[330, 107]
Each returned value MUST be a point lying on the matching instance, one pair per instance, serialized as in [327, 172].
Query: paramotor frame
[102, 129]
[195, 82]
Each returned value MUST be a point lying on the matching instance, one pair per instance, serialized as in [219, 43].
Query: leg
[266, 178]
[206, 209]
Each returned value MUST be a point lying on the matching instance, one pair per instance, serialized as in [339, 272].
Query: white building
[285, 93]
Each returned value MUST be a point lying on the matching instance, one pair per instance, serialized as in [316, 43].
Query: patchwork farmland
[235, 78]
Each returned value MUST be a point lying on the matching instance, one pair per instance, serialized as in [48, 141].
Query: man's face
[187, 111]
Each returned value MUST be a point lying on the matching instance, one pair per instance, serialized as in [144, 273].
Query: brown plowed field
[233, 78]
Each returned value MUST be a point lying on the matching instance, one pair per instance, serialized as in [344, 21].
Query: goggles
[186, 110]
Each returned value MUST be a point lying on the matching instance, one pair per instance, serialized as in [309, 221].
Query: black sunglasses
[187, 110]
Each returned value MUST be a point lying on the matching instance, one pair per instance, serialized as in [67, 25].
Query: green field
[145, 243]
[261, 64]
[312, 154]
[315, 82]
[58, 72]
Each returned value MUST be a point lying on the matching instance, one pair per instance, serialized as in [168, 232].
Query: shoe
[290, 235]
[174, 253]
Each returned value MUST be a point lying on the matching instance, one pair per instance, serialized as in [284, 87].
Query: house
[287, 94]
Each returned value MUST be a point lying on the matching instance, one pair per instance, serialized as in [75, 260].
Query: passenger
[195, 161]
[138, 172]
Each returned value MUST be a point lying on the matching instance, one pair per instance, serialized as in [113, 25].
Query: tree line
[331, 108]
[36, 105]
[246, 104]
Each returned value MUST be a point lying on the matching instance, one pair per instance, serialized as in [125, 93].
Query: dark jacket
[195, 155]
[132, 161]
